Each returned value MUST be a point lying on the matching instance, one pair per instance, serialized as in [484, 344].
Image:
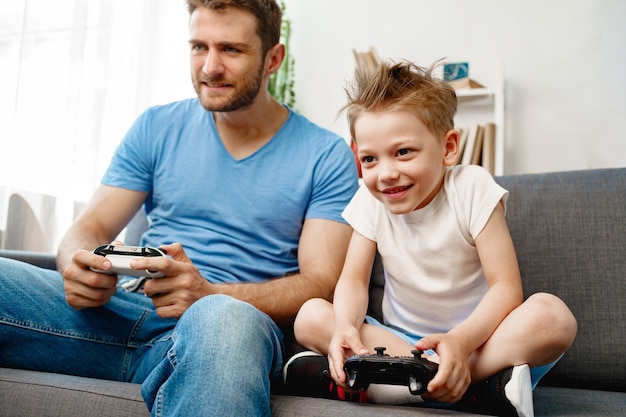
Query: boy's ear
[451, 143]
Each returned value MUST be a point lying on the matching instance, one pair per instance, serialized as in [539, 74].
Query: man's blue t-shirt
[238, 220]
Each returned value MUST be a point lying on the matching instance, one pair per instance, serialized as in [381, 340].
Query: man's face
[227, 67]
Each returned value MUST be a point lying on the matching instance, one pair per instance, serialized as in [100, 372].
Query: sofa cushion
[553, 401]
[569, 230]
[30, 393]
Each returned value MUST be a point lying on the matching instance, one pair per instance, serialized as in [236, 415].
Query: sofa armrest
[41, 259]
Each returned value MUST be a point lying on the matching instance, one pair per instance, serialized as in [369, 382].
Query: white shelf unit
[483, 105]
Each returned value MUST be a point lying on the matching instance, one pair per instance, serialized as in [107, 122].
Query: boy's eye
[367, 159]
[404, 151]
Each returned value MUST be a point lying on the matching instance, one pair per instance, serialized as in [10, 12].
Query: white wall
[565, 66]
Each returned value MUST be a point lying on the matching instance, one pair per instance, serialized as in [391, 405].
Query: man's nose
[212, 63]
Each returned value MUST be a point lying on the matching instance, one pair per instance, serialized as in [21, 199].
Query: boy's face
[403, 163]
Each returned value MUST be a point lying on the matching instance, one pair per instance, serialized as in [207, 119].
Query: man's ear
[274, 58]
[451, 143]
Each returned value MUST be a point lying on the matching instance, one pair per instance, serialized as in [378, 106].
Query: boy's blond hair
[402, 86]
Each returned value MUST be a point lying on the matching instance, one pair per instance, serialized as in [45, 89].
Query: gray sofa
[569, 230]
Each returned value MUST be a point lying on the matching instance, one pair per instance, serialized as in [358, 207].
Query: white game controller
[120, 257]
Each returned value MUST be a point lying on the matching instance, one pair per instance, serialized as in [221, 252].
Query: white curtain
[74, 75]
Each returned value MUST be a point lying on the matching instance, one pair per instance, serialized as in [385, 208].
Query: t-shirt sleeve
[131, 165]
[478, 194]
[335, 182]
[361, 213]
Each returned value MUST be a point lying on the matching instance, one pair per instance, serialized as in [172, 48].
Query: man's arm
[321, 253]
[106, 214]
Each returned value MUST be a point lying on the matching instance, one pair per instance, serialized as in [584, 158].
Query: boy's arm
[351, 294]
[350, 303]
[499, 263]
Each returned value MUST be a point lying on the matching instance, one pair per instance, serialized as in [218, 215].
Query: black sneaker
[307, 374]
[508, 393]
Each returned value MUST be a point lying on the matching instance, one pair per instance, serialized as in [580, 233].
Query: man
[250, 193]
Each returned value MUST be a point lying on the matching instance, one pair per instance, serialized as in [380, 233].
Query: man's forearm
[281, 298]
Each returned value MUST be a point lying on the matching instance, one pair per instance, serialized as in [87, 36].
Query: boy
[452, 282]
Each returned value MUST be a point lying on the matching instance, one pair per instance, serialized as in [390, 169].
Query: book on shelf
[477, 145]
[468, 151]
[463, 132]
[489, 148]
[369, 60]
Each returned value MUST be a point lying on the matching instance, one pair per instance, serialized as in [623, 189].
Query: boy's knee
[312, 315]
[554, 315]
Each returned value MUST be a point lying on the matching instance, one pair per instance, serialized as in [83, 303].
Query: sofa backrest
[569, 231]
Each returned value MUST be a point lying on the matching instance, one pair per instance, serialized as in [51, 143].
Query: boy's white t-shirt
[433, 276]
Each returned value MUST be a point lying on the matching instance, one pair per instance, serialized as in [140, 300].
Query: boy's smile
[403, 162]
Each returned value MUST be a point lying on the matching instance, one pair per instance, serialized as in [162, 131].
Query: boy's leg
[307, 373]
[526, 345]
[535, 333]
[315, 325]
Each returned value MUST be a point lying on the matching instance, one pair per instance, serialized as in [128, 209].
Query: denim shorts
[536, 373]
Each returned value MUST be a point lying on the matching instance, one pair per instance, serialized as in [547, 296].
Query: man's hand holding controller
[122, 256]
[171, 297]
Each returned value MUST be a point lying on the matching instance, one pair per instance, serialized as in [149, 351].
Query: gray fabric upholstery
[30, 393]
[569, 231]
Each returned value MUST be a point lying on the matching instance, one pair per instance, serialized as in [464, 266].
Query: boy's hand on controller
[344, 344]
[453, 376]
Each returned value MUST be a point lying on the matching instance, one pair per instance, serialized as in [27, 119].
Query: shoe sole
[519, 391]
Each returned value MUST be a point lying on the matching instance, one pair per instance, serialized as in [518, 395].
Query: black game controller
[380, 368]
[120, 257]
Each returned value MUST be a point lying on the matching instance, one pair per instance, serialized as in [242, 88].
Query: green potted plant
[281, 84]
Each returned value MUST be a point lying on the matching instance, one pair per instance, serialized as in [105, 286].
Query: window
[74, 76]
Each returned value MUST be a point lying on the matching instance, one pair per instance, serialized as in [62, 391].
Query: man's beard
[243, 99]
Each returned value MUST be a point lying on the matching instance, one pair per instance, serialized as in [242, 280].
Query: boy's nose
[388, 172]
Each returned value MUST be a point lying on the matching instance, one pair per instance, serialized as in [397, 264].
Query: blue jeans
[217, 359]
